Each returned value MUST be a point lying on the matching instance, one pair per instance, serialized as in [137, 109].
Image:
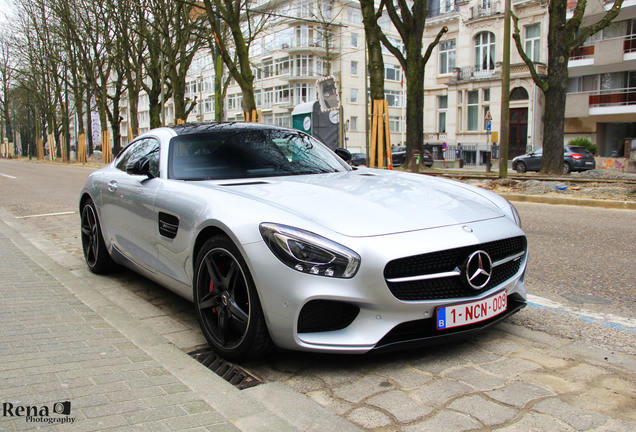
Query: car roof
[197, 128]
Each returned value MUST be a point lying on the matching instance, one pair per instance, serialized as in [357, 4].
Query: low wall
[619, 164]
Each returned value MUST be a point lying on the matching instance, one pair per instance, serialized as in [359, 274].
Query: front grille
[326, 315]
[448, 261]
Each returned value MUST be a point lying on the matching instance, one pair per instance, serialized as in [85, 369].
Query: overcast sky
[5, 9]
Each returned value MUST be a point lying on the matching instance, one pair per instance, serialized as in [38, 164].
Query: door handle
[112, 186]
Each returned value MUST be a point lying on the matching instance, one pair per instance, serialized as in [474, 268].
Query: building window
[284, 38]
[442, 110]
[446, 6]
[281, 67]
[268, 98]
[354, 68]
[473, 110]
[354, 15]
[304, 92]
[446, 56]
[354, 96]
[283, 120]
[394, 124]
[533, 41]
[486, 94]
[354, 40]
[393, 98]
[518, 93]
[281, 94]
[353, 124]
[385, 23]
[392, 72]
[485, 51]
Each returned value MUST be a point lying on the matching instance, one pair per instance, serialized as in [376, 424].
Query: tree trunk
[555, 91]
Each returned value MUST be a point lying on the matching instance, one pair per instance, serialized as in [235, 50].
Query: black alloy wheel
[226, 302]
[521, 167]
[95, 253]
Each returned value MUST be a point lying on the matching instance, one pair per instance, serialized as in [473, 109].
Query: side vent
[168, 225]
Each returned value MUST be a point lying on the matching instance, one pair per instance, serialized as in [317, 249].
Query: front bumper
[371, 317]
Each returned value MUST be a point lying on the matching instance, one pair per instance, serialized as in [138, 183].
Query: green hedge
[584, 142]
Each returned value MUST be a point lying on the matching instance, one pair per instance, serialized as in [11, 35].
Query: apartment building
[303, 42]
[601, 100]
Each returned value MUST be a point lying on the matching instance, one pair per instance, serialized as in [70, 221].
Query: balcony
[474, 73]
[582, 52]
[607, 55]
[601, 102]
[479, 11]
[613, 97]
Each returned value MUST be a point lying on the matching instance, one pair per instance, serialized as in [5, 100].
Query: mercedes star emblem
[478, 269]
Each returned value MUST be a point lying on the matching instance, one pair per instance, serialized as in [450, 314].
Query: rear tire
[226, 302]
[95, 253]
[567, 169]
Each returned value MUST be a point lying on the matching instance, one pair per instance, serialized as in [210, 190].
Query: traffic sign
[444, 146]
[488, 126]
[488, 115]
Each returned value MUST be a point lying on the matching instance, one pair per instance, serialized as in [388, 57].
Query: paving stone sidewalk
[63, 366]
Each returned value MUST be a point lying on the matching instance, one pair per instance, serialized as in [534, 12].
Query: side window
[144, 147]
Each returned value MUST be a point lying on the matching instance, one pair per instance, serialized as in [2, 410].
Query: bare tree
[243, 26]
[564, 36]
[410, 23]
[178, 23]
[6, 80]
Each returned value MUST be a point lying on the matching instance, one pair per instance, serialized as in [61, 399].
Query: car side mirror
[343, 153]
[140, 166]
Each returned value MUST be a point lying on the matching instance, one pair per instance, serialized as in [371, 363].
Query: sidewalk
[70, 359]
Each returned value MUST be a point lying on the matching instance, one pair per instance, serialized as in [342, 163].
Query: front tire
[226, 302]
[95, 253]
[521, 167]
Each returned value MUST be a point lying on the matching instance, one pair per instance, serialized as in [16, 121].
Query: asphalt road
[581, 258]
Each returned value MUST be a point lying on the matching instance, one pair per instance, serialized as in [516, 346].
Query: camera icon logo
[62, 408]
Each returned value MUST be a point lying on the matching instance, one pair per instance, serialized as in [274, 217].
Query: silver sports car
[279, 242]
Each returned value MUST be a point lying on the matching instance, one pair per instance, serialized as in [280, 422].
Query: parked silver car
[279, 242]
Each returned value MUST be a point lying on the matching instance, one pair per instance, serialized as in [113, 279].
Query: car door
[128, 205]
[533, 161]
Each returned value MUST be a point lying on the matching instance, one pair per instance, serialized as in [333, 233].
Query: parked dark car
[398, 156]
[575, 159]
[358, 159]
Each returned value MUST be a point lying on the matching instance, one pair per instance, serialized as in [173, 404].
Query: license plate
[473, 312]
[588, 163]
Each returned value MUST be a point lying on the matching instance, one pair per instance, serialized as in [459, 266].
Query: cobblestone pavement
[72, 360]
[509, 378]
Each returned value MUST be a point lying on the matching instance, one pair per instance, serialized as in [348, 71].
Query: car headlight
[515, 214]
[309, 253]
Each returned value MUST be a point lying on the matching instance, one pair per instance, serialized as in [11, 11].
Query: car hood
[369, 202]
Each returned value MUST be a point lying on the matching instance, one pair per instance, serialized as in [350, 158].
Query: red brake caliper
[212, 289]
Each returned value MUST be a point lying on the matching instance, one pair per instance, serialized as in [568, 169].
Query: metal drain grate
[231, 373]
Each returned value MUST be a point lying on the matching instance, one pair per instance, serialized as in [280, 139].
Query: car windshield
[247, 153]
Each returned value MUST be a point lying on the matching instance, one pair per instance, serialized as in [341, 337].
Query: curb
[607, 204]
